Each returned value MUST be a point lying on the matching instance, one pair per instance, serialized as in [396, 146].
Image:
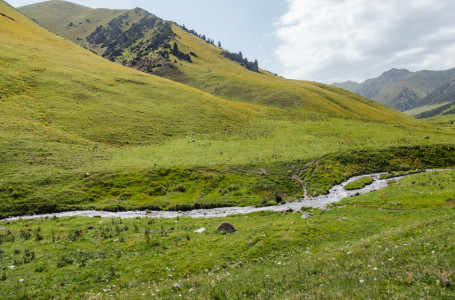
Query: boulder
[226, 227]
[200, 230]
[89, 227]
[306, 215]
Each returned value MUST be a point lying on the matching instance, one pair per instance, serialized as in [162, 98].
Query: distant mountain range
[403, 90]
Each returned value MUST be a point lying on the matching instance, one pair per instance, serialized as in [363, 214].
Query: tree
[175, 50]
[219, 44]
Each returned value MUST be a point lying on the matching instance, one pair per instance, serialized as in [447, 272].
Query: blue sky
[317, 40]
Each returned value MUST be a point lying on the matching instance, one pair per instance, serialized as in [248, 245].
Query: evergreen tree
[175, 50]
[219, 44]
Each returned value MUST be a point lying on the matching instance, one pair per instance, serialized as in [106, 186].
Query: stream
[335, 194]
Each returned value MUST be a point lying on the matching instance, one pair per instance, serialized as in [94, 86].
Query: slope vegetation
[140, 40]
[79, 131]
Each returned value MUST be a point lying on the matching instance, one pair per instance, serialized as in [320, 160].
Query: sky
[317, 40]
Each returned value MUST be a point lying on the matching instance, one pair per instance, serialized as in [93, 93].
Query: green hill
[401, 89]
[438, 106]
[78, 131]
[140, 40]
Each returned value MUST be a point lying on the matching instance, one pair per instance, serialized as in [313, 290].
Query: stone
[200, 230]
[306, 215]
[177, 285]
[226, 227]
[89, 227]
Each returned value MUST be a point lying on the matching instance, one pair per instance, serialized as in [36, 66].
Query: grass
[418, 191]
[176, 188]
[60, 120]
[360, 245]
[117, 139]
[424, 108]
[359, 183]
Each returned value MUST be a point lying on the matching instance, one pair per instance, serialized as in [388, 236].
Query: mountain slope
[80, 132]
[55, 92]
[140, 40]
[438, 106]
[400, 89]
[444, 93]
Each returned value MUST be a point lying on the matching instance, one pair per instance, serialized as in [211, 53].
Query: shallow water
[335, 194]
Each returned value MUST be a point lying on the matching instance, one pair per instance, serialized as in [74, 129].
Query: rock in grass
[306, 215]
[200, 230]
[3, 228]
[89, 227]
[226, 227]
[177, 286]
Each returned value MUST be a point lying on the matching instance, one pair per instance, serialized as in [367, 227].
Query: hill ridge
[400, 88]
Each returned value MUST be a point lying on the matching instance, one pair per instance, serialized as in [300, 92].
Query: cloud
[337, 40]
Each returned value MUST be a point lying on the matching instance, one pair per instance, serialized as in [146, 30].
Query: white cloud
[337, 40]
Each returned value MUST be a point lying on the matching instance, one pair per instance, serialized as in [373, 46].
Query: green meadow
[393, 243]
[78, 132]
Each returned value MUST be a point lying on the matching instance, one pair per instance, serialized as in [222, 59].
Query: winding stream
[335, 194]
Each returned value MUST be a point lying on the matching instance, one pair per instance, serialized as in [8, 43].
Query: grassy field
[390, 243]
[79, 132]
[62, 118]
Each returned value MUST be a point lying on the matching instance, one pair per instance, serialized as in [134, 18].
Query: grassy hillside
[443, 94]
[418, 110]
[148, 46]
[72, 21]
[66, 112]
[78, 131]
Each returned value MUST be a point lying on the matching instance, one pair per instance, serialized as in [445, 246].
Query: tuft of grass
[359, 183]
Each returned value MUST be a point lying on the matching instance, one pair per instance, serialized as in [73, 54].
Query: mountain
[78, 131]
[138, 39]
[440, 103]
[445, 111]
[399, 88]
[443, 94]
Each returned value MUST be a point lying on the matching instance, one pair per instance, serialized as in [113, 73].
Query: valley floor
[397, 242]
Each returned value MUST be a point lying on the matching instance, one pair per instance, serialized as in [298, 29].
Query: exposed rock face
[226, 227]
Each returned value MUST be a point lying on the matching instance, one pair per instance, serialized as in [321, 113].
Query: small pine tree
[219, 44]
[175, 49]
